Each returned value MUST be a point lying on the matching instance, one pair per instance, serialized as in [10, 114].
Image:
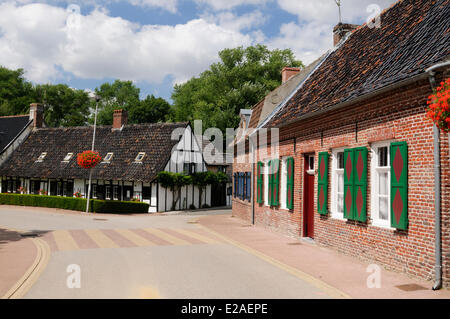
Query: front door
[308, 197]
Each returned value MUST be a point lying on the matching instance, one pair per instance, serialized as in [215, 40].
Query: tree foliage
[125, 95]
[239, 80]
[16, 93]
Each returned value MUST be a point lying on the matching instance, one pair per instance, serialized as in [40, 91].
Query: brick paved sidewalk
[17, 255]
[345, 273]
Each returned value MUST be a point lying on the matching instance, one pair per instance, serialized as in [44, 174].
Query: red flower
[88, 159]
[438, 106]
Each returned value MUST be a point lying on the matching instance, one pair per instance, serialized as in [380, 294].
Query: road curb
[23, 285]
[330, 290]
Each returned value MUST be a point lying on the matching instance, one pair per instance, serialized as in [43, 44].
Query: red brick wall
[398, 115]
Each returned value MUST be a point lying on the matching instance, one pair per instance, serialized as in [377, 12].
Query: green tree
[64, 106]
[117, 95]
[16, 93]
[149, 110]
[241, 78]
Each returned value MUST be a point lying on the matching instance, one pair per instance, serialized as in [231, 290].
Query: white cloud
[313, 34]
[231, 21]
[38, 38]
[228, 4]
[326, 11]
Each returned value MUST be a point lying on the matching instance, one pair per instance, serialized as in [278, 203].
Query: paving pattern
[66, 240]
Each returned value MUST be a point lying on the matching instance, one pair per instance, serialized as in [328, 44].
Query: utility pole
[96, 98]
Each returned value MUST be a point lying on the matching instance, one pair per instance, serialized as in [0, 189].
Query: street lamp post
[96, 98]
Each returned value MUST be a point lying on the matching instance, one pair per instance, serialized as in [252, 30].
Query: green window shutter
[259, 182]
[322, 184]
[270, 178]
[349, 155]
[399, 185]
[290, 183]
[276, 182]
[360, 184]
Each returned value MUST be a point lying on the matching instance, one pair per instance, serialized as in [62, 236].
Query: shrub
[73, 203]
[117, 207]
[69, 203]
[192, 206]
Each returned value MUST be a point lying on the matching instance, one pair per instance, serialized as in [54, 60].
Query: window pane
[340, 203]
[311, 162]
[340, 183]
[383, 208]
[340, 157]
[383, 156]
[383, 183]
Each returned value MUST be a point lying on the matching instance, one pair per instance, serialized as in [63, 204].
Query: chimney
[120, 118]
[341, 30]
[288, 72]
[37, 114]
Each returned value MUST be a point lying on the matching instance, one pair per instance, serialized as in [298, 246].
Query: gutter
[437, 187]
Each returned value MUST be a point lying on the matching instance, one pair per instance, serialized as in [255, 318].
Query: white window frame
[374, 186]
[41, 157]
[68, 157]
[311, 171]
[115, 190]
[108, 157]
[107, 191]
[283, 181]
[335, 172]
[140, 157]
[94, 190]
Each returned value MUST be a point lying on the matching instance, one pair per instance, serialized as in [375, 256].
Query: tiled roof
[413, 36]
[153, 139]
[10, 127]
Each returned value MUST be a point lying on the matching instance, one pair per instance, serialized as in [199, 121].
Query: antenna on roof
[338, 3]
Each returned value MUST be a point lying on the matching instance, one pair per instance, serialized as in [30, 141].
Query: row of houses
[39, 160]
[359, 166]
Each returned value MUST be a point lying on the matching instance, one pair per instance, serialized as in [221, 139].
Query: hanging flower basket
[88, 159]
[438, 109]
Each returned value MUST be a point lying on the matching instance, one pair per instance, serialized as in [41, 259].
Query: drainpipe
[437, 187]
[253, 178]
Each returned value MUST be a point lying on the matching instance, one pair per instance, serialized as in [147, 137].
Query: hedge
[117, 207]
[73, 203]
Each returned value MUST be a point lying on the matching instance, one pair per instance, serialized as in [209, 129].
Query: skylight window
[139, 157]
[41, 157]
[108, 157]
[68, 157]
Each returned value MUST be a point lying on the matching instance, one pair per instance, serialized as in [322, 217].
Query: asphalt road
[147, 257]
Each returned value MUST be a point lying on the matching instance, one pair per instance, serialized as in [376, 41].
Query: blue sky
[158, 43]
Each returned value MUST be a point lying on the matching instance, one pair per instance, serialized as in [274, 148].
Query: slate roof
[413, 36]
[153, 139]
[10, 127]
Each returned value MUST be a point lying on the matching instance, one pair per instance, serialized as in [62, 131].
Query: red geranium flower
[88, 159]
[438, 106]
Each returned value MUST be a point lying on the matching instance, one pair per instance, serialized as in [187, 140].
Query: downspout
[253, 178]
[437, 187]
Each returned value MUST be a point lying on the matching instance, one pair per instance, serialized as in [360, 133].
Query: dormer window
[41, 157]
[107, 158]
[68, 157]
[139, 157]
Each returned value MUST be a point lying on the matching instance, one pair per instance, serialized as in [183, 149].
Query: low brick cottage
[356, 150]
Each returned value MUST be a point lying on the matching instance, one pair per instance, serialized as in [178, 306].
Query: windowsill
[336, 216]
[381, 224]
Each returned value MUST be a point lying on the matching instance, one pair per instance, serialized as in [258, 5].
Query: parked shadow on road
[7, 235]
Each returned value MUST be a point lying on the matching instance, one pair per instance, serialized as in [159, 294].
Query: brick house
[132, 156]
[362, 169]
